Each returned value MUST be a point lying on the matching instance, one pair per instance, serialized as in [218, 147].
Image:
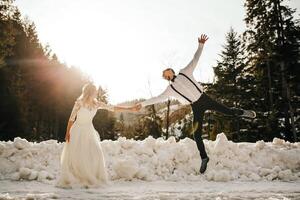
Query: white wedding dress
[82, 161]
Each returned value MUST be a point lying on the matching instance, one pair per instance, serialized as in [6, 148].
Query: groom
[187, 90]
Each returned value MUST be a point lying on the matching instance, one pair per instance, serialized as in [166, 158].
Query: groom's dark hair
[169, 69]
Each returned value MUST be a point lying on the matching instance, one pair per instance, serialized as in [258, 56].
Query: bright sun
[120, 48]
[108, 57]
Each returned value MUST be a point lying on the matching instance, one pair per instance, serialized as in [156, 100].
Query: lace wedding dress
[82, 161]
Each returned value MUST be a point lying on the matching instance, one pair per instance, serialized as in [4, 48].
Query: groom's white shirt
[182, 84]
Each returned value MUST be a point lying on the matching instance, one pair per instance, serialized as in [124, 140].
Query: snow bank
[158, 159]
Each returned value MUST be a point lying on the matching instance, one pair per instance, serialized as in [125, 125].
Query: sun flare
[124, 46]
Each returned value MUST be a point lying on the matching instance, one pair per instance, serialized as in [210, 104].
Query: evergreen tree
[37, 91]
[230, 87]
[272, 39]
[8, 32]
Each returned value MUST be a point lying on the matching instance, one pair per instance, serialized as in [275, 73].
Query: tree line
[257, 69]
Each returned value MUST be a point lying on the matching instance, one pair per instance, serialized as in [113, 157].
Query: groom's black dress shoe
[204, 165]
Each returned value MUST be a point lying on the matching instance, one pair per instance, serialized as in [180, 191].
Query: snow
[161, 169]
[159, 159]
[156, 190]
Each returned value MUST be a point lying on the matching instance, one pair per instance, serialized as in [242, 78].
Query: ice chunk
[126, 168]
[21, 143]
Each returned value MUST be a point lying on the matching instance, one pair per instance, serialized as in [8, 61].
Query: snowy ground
[162, 190]
[159, 169]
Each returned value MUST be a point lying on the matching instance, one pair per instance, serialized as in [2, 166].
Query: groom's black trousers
[199, 107]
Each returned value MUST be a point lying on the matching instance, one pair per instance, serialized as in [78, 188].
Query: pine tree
[152, 123]
[230, 87]
[8, 32]
[37, 91]
[272, 39]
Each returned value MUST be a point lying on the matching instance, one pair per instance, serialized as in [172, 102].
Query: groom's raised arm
[189, 69]
[162, 97]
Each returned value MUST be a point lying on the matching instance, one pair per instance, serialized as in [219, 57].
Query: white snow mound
[158, 159]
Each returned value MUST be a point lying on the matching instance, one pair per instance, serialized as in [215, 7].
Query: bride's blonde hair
[86, 96]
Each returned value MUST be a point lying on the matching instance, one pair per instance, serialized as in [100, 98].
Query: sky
[125, 44]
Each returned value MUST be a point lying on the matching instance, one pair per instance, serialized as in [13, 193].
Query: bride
[82, 161]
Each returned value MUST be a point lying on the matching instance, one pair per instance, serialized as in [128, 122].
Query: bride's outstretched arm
[121, 108]
[112, 108]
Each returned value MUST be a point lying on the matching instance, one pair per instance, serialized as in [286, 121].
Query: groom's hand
[202, 39]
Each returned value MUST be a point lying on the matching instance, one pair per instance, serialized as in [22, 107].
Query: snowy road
[235, 190]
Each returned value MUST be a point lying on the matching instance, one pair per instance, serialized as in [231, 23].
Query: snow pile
[158, 159]
[21, 159]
